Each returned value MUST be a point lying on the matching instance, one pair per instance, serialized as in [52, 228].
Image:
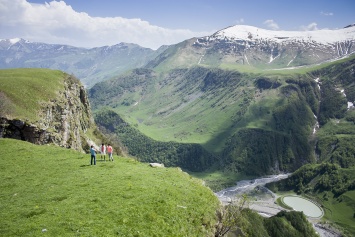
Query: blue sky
[92, 23]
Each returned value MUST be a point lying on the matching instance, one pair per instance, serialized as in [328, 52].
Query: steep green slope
[332, 181]
[23, 90]
[212, 106]
[255, 123]
[54, 191]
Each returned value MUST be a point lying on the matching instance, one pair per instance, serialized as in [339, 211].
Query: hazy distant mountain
[253, 47]
[89, 65]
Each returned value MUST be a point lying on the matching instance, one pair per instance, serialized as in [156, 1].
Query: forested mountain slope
[331, 182]
[255, 123]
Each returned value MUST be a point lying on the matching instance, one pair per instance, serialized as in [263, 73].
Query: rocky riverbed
[263, 201]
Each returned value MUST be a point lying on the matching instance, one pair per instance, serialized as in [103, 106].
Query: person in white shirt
[103, 151]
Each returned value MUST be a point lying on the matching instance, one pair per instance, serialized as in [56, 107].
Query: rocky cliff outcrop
[64, 120]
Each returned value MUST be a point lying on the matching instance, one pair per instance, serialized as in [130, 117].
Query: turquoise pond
[308, 207]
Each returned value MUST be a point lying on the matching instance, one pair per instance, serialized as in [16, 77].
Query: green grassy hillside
[47, 190]
[256, 123]
[46, 106]
[212, 107]
[23, 90]
[331, 181]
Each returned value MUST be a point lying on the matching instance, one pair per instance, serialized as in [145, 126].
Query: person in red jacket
[109, 152]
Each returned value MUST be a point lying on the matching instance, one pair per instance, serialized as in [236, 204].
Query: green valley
[52, 190]
[253, 124]
[241, 104]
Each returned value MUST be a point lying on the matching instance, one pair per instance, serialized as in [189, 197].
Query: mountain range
[200, 91]
[90, 65]
[254, 48]
[243, 101]
[237, 47]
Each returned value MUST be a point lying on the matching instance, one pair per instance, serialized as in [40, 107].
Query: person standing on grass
[109, 152]
[93, 155]
[103, 151]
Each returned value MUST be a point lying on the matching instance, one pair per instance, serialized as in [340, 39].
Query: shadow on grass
[85, 165]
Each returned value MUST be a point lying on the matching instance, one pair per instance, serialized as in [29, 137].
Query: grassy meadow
[52, 191]
[23, 90]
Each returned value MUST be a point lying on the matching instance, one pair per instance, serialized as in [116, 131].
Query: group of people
[103, 150]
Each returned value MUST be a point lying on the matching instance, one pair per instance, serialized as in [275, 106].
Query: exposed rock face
[64, 121]
[21, 130]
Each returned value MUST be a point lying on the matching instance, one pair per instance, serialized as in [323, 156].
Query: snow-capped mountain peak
[14, 40]
[6, 43]
[252, 46]
[250, 33]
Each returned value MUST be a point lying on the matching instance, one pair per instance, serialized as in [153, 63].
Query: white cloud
[326, 13]
[271, 24]
[57, 22]
[312, 26]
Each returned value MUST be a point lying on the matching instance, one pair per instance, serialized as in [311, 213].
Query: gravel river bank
[263, 201]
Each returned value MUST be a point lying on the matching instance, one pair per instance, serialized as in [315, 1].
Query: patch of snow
[350, 104]
[291, 60]
[318, 82]
[199, 61]
[245, 56]
[272, 58]
[14, 40]
[342, 91]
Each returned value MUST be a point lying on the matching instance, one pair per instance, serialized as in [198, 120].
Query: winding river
[245, 186]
